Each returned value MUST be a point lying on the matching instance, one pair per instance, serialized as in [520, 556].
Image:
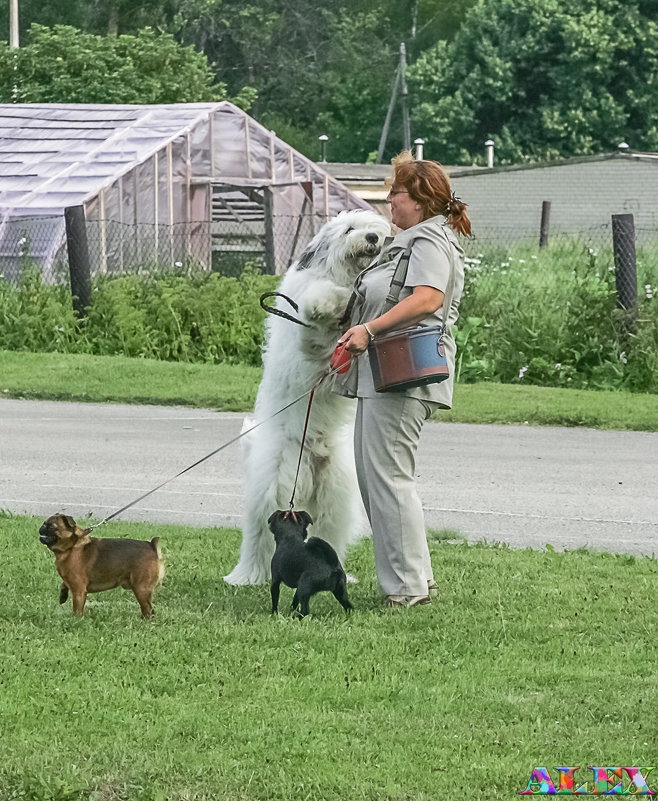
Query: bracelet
[371, 336]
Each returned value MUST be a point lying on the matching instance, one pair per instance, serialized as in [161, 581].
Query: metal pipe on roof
[489, 146]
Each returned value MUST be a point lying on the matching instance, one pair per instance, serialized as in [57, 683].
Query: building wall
[583, 196]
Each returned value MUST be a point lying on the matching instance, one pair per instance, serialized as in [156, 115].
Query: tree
[543, 79]
[317, 67]
[64, 65]
[94, 16]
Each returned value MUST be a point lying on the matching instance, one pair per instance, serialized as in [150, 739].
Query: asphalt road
[526, 486]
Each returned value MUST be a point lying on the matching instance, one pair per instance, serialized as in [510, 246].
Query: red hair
[428, 184]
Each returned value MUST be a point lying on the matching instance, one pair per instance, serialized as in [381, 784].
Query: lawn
[78, 377]
[527, 659]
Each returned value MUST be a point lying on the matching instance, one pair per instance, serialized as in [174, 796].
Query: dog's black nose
[372, 239]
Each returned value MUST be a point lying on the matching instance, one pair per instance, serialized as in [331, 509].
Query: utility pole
[399, 83]
[13, 24]
[389, 114]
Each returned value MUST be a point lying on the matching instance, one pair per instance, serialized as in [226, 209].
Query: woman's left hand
[356, 339]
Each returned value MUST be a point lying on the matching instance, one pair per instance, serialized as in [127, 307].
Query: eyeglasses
[397, 192]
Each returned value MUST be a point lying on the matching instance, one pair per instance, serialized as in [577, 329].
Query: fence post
[268, 208]
[78, 250]
[545, 222]
[623, 243]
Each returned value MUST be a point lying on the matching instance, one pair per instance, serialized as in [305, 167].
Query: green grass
[528, 658]
[120, 379]
[56, 376]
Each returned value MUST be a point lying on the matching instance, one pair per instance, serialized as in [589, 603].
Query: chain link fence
[111, 248]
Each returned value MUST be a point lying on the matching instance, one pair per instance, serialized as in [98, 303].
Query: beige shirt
[435, 252]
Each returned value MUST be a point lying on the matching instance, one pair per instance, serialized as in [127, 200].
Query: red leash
[340, 363]
[301, 450]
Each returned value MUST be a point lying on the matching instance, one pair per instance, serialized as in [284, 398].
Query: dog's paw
[327, 307]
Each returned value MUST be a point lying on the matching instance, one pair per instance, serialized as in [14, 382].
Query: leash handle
[279, 312]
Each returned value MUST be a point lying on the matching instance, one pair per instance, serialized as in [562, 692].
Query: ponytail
[455, 214]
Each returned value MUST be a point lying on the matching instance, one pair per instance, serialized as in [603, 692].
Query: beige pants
[385, 442]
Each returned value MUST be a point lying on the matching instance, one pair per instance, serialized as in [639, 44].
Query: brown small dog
[88, 564]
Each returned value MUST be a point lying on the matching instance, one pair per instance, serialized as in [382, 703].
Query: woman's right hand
[356, 339]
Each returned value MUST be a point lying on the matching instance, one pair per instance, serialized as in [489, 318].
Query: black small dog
[307, 565]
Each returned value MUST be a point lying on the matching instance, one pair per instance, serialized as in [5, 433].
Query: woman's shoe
[402, 601]
[432, 589]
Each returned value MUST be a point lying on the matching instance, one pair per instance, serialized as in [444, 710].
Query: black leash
[204, 458]
[310, 392]
[278, 312]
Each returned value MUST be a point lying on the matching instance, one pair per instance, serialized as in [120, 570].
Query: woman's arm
[424, 300]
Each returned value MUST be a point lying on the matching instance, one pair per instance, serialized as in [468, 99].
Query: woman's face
[405, 212]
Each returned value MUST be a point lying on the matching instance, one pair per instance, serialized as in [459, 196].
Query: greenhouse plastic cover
[146, 164]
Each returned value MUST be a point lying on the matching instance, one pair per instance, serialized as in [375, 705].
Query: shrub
[551, 318]
[198, 317]
[548, 318]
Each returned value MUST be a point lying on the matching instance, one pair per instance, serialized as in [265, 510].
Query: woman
[388, 424]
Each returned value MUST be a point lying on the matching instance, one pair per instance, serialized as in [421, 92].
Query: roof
[366, 180]
[56, 155]
[651, 158]
[358, 173]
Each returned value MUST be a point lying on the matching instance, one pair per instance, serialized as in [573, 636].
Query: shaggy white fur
[294, 359]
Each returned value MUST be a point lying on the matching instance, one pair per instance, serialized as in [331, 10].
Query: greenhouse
[139, 188]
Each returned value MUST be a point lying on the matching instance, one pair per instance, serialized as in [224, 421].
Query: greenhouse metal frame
[155, 186]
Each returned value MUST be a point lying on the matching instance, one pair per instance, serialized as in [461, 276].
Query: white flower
[558, 366]
[622, 357]
[22, 240]
[521, 261]
[522, 371]
[473, 261]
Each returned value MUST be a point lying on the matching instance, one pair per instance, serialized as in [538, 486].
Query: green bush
[198, 317]
[550, 318]
[545, 317]
[35, 317]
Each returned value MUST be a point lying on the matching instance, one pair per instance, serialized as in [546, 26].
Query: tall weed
[551, 318]
[198, 317]
[545, 317]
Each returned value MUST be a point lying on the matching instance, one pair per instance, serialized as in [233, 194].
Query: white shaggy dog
[294, 359]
